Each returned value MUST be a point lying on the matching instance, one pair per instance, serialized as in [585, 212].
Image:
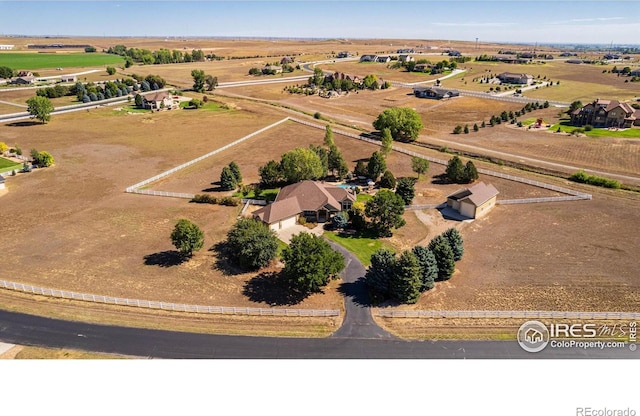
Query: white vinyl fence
[167, 306]
[134, 188]
[506, 314]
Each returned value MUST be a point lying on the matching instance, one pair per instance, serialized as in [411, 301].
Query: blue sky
[506, 21]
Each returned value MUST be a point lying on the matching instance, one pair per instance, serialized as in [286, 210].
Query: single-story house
[23, 80]
[69, 78]
[383, 58]
[315, 201]
[286, 60]
[24, 74]
[161, 100]
[475, 201]
[511, 78]
[6, 47]
[606, 113]
[421, 67]
[344, 54]
[437, 93]
[405, 58]
[2, 180]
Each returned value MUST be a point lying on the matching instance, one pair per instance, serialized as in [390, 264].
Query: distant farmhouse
[405, 58]
[606, 113]
[511, 78]
[314, 201]
[68, 78]
[344, 54]
[436, 93]
[474, 202]
[6, 47]
[375, 58]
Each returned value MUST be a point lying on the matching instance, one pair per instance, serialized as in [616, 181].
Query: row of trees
[301, 164]
[403, 278]
[457, 172]
[161, 56]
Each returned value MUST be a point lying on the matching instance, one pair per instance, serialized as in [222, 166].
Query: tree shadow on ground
[217, 187]
[357, 291]
[441, 179]
[167, 258]
[271, 288]
[223, 261]
[24, 124]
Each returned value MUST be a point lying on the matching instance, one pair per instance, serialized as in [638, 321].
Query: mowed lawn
[7, 165]
[361, 247]
[57, 60]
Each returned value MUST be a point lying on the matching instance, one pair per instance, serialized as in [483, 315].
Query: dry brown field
[72, 226]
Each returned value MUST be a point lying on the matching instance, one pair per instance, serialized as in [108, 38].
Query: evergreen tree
[379, 274]
[444, 257]
[328, 137]
[336, 163]
[466, 129]
[387, 142]
[228, 179]
[235, 169]
[455, 241]
[470, 172]
[475, 127]
[405, 189]
[428, 267]
[361, 169]
[388, 181]
[405, 281]
[376, 165]
[270, 174]
[455, 170]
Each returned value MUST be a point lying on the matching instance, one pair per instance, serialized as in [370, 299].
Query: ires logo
[573, 331]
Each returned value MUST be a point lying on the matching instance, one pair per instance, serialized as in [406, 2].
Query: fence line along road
[506, 314]
[167, 306]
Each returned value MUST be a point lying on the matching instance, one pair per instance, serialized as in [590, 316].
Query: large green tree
[444, 256]
[385, 210]
[270, 174]
[301, 164]
[470, 172]
[310, 263]
[404, 123]
[328, 137]
[6, 72]
[405, 281]
[252, 245]
[40, 108]
[187, 237]
[198, 80]
[336, 162]
[428, 267]
[235, 169]
[388, 181]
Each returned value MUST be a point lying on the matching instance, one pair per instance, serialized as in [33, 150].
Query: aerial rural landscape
[348, 188]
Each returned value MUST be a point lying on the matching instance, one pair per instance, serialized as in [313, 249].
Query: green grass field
[7, 165]
[361, 247]
[34, 61]
[633, 133]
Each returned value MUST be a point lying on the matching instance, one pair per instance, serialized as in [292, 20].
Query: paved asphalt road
[23, 329]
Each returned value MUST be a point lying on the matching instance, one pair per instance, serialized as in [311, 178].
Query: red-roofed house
[475, 201]
[315, 201]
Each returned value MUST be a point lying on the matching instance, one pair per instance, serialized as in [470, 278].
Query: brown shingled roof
[278, 210]
[477, 194]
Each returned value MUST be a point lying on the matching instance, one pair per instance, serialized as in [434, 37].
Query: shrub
[229, 201]
[594, 180]
[204, 199]
[588, 127]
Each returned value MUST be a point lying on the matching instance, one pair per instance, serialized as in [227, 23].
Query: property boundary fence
[575, 195]
[134, 188]
[507, 314]
[167, 306]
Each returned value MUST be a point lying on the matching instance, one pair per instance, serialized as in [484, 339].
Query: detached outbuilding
[475, 201]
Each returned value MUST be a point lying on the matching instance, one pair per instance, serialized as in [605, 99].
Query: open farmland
[35, 60]
[72, 226]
